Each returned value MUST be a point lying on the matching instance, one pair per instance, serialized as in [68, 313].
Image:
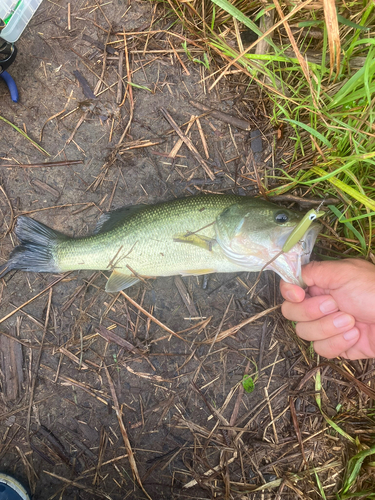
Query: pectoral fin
[118, 281]
[195, 239]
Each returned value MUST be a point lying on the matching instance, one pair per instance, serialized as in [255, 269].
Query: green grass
[329, 116]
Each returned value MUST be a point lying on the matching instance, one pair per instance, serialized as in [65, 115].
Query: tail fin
[36, 250]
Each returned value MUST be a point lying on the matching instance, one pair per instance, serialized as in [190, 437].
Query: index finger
[310, 309]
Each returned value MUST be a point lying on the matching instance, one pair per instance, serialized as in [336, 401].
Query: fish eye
[281, 218]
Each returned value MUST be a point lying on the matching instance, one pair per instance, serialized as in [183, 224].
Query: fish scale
[145, 241]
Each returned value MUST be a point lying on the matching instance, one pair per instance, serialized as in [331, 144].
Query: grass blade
[240, 16]
[311, 131]
[349, 225]
[20, 131]
[365, 200]
[354, 467]
[341, 19]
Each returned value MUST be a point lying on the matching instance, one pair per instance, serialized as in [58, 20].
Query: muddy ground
[184, 409]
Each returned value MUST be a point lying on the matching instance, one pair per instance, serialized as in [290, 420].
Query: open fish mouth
[256, 254]
[289, 265]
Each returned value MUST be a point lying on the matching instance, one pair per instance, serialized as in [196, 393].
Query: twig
[271, 415]
[120, 82]
[203, 139]
[224, 117]
[8, 414]
[237, 404]
[304, 202]
[37, 367]
[188, 143]
[42, 165]
[179, 143]
[152, 318]
[76, 484]
[48, 120]
[11, 213]
[48, 287]
[234, 329]
[296, 428]
[80, 121]
[73, 357]
[110, 336]
[301, 60]
[360, 385]
[124, 433]
[185, 296]
[69, 17]
[266, 22]
[129, 91]
[179, 58]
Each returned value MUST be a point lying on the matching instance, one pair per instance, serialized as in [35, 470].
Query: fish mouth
[289, 265]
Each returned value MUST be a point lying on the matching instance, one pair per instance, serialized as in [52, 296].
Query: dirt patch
[188, 419]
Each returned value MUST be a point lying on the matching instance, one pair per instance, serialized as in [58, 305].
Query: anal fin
[118, 281]
[197, 272]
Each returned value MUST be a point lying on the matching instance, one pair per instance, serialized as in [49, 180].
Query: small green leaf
[135, 85]
[187, 52]
[248, 383]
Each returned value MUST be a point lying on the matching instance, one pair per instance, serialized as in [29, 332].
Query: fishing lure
[299, 231]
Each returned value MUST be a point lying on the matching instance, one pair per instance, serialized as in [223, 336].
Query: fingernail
[351, 334]
[328, 306]
[290, 296]
[342, 320]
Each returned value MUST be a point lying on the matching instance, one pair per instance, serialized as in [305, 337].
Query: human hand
[337, 311]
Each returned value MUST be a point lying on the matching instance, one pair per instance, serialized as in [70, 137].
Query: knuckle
[327, 327]
[285, 310]
[300, 330]
[334, 346]
[310, 311]
[322, 350]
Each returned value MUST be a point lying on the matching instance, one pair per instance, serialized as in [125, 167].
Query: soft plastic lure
[299, 231]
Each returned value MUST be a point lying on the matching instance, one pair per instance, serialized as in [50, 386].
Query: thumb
[327, 275]
[291, 293]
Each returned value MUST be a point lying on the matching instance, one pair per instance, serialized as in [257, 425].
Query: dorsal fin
[110, 220]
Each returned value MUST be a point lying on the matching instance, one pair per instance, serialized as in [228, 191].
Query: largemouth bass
[189, 236]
